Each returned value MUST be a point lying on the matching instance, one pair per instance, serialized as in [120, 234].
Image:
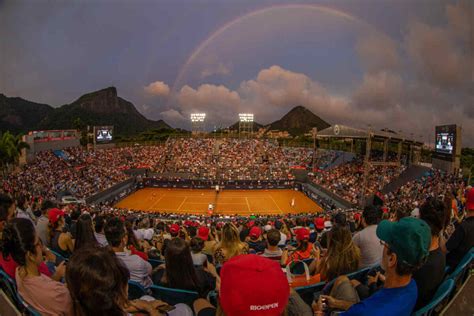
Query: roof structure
[343, 131]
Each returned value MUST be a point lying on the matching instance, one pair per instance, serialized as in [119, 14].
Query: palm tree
[10, 150]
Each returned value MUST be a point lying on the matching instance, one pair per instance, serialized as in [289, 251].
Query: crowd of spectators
[422, 228]
[346, 180]
[239, 159]
[80, 172]
[107, 247]
[83, 173]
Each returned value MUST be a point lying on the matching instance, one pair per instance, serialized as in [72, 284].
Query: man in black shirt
[462, 240]
[431, 274]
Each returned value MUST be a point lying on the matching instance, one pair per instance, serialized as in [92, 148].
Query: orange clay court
[227, 202]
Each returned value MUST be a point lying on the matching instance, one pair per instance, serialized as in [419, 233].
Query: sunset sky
[405, 65]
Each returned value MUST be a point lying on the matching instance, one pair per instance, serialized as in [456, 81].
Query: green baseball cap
[409, 238]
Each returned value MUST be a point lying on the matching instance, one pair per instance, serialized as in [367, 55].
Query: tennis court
[242, 202]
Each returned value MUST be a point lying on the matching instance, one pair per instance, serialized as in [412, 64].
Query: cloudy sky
[405, 65]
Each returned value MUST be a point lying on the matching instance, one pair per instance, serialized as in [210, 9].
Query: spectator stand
[368, 139]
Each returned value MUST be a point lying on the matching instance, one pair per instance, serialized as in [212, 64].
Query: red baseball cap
[54, 214]
[470, 199]
[174, 228]
[255, 232]
[302, 233]
[319, 223]
[203, 233]
[253, 285]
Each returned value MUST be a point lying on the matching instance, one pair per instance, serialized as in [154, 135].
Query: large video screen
[104, 134]
[445, 139]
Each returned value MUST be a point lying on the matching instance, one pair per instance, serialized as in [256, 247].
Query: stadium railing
[135, 290]
[173, 296]
[459, 273]
[443, 292]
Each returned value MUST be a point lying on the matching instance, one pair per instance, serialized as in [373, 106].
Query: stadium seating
[9, 285]
[30, 309]
[444, 290]
[173, 296]
[298, 266]
[135, 290]
[458, 275]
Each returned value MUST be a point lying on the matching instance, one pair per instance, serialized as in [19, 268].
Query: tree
[10, 150]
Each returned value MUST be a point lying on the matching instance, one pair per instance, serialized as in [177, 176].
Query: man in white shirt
[99, 231]
[42, 225]
[369, 244]
[140, 270]
[279, 226]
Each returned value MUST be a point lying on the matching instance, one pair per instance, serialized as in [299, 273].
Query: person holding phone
[406, 246]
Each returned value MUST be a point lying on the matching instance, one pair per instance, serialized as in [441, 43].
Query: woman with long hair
[84, 233]
[230, 244]
[98, 283]
[342, 256]
[47, 296]
[179, 271]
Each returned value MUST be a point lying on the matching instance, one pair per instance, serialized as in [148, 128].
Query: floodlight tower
[197, 122]
[245, 123]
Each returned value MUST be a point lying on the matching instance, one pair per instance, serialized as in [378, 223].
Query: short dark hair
[372, 214]
[404, 268]
[196, 244]
[21, 201]
[99, 223]
[46, 205]
[299, 221]
[5, 203]
[278, 225]
[273, 237]
[114, 231]
[340, 219]
[433, 212]
[97, 281]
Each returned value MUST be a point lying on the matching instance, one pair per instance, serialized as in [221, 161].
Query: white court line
[156, 202]
[248, 205]
[182, 203]
[271, 197]
[219, 203]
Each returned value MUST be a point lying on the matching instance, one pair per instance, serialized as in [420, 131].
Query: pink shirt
[47, 296]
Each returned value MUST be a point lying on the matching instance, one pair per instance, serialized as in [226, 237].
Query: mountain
[298, 121]
[19, 115]
[103, 107]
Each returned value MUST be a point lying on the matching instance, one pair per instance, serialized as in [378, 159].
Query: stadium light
[246, 117]
[198, 117]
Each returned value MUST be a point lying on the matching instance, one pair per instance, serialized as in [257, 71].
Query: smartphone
[374, 271]
[324, 304]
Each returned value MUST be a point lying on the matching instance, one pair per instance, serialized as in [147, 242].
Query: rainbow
[222, 29]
